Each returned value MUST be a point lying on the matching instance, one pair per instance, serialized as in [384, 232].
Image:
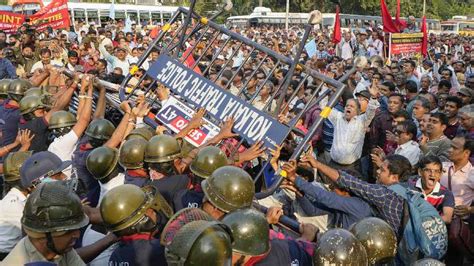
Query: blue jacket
[342, 211]
[7, 70]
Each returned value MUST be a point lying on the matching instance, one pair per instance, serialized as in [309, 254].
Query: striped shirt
[439, 198]
[385, 201]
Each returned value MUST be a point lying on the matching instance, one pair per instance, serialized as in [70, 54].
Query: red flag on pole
[400, 23]
[336, 37]
[424, 44]
[388, 24]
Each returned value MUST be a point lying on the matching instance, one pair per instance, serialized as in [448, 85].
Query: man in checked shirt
[388, 205]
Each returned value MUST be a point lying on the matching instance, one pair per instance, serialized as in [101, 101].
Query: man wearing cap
[466, 95]
[119, 60]
[362, 43]
[39, 168]
[411, 25]
[426, 69]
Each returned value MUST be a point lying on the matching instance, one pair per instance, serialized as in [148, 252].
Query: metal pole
[424, 7]
[287, 13]
[296, 60]
[186, 24]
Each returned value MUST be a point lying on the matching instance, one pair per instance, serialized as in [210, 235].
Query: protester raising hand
[226, 129]
[253, 152]
[23, 138]
[26, 137]
[275, 156]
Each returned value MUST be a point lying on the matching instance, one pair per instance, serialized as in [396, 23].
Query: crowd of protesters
[83, 185]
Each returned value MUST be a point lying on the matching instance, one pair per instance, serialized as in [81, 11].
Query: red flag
[400, 23]
[336, 37]
[190, 61]
[424, 44]
[388, 24]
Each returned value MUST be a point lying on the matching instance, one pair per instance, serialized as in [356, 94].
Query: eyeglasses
[432, 171]
[399, 132]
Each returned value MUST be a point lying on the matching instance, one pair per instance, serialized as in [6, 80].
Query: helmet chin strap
[50, 244]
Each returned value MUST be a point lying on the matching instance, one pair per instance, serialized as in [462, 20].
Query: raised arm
[86, 111]
[119, 133]
[100, 107]
[62, 101]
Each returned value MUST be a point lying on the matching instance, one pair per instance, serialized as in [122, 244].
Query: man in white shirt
[375, 45]
[407, 147]
[45, 56]
[349, 132]
[345, 47]
[120, 60]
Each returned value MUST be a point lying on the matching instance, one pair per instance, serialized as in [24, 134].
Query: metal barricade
[225, 57]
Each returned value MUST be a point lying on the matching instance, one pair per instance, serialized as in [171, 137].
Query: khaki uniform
[24, 252]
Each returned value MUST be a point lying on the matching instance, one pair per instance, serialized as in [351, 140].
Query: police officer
[252, 241]
[52, 219]
[227, 189]
[96, 134]
[4, 84]
[11, 168]
[36, 117]
[65, 130]
[11, 113]
[41, 92]
[145, 133]
[339, 247]
[197, 241]
[42, 167]
[162, 155]
[11, 205]
[34, 170]
[103, 164]
[138, 216]
[132, 155]
[378, 238]
[100, 132]
[206, 161]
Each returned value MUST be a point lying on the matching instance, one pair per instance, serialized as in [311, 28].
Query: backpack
[424, 231]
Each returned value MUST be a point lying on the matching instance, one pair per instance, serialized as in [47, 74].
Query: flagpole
[287, 13]
[424, 7]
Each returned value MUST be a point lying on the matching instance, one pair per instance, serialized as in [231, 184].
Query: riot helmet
[229, 188]
[123, 209]
[207, 161]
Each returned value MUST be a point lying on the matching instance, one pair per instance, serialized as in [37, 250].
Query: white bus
[264, 16]
[465, 28]
[99, 12]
